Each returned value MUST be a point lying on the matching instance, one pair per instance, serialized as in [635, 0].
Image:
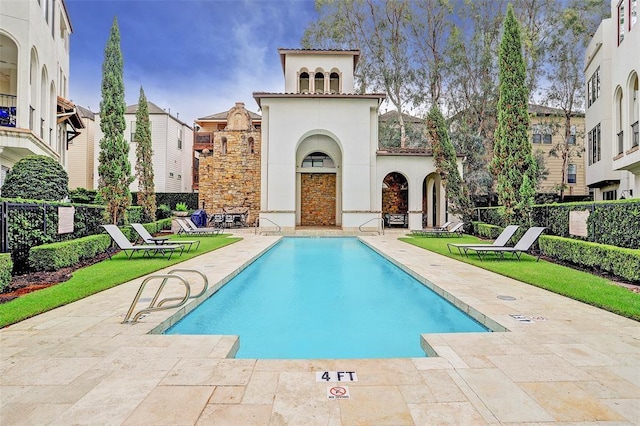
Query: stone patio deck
[572, 364]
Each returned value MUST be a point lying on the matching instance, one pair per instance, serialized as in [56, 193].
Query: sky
[193, 58]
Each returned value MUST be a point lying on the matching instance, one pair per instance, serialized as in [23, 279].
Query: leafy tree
[513, 165]
[37, 177]
[446, 165]
[114, 169]
[144, 164]
[380, 31]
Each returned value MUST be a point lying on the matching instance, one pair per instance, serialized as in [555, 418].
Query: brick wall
[318, 199]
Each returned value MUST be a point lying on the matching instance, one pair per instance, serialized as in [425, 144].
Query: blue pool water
[316, 298]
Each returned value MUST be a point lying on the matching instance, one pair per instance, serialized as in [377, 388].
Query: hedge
[621, 262]
[50, 257]
[6, 266]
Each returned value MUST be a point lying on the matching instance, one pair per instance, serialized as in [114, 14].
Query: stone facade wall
[232, 178]
[395, 200]
[318, 199]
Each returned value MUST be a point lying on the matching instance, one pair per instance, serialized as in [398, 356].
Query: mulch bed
[27, 283]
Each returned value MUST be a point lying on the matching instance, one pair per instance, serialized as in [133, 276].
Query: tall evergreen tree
[446, 165]
[114, 170]
[513, 165]
[144, 163]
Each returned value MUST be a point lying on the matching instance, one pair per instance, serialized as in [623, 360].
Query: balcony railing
[8, 110]
[621, 142]
[203, 138]
[635, 140]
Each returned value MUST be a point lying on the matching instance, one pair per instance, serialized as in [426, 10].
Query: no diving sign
[338, 392]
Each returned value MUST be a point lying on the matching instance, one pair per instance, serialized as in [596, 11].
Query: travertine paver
[573, 364]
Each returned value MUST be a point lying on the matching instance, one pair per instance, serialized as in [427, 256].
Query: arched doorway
[395, 200]
[318, 181]
[433, 203]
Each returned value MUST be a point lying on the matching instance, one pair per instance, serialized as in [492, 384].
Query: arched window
[334, 83]
[319, 82]
[619, 120]
[223, 147]
[634, 111]
[251, 146]
[304, 82]
[317, 159]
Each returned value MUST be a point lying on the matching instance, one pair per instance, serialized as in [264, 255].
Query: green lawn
[100, 276]
[578, 285]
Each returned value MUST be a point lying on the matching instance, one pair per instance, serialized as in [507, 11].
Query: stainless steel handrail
[268, 220]
[156, 305]
[380, 230]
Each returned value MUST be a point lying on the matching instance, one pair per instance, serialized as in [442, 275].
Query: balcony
[7, 110]
[202, 140]
[634, 132]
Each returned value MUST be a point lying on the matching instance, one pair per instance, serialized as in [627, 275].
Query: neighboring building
[172, 142]
[612, 66]
[320, 162]
[35, 117]
[81, 153]
[548, 135]
[226, 158]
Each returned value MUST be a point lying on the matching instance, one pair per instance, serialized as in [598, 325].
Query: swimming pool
[310, 298]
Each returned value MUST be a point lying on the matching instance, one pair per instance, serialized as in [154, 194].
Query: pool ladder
[379, 228]
[159, 305]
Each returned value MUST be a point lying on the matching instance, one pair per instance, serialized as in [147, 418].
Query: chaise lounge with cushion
[502, 240]
[147, 250]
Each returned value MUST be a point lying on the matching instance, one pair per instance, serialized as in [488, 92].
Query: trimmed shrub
[163, 211]
[484, 230]
[50, 257]
[134, 215]
[6, 266]
[621, 262]
[37, 177]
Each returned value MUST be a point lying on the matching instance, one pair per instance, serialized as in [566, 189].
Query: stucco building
[319, 159]
[35, 115]
[612, 65]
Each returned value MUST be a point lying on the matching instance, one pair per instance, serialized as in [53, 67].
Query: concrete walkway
[569, 364]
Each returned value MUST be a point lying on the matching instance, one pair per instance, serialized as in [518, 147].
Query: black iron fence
[26, 225]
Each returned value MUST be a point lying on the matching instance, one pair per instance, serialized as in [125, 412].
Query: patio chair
[444, 226]
[149, 239]
[148, 250]
[435, 232]
[502, 240]
[522, 246]
[185, 228]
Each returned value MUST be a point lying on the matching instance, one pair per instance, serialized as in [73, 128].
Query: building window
[572, 136]
[593, 87]
[179, 138]
[334, 83]
[251, 146]
[610, 195]
[620, 21]
[594, 145]
[223, 147]
[317, 159]
[304, 82]
[541, 133]
[133, 132]
[319, 82]
[633, 13]
[572, 172]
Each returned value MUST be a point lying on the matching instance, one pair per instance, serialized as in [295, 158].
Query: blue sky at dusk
[194, 57]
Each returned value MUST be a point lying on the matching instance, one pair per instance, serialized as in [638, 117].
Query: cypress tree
[144, 164]
[512, 158]
[114, 170]
[446, 165]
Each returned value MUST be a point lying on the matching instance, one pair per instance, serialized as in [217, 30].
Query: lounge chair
[502, 240]
[435, 232]
[147, 249]
[149, 239]
[185, 228]
[522, 246]
[444, 226]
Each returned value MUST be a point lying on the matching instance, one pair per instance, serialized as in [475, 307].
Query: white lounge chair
[522, 246]
[435, 232]
[147, 238]
[502, 240]
[148, 250]
[185, 228]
